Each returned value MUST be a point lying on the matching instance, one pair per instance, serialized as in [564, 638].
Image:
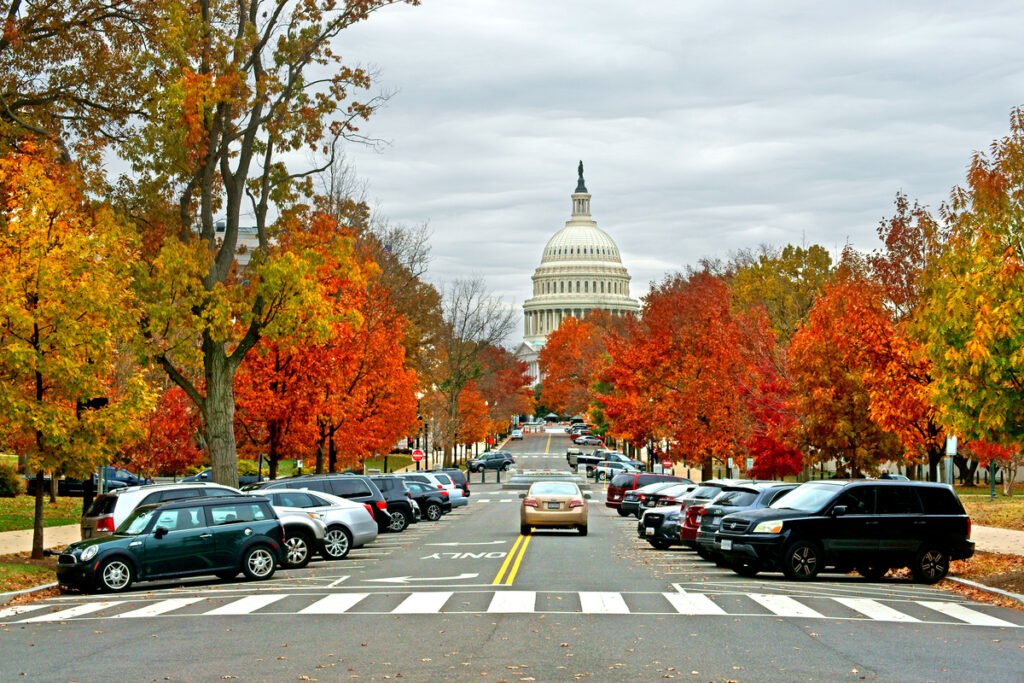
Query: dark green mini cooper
[221, 536]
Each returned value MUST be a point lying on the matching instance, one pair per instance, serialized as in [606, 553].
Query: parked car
[553, 504]
[708, 490]
[588, 440]
[70, 487]
[869, 525]
[516, 435]
[398, 501]
[670, 495]
[609, 468]
[629, 481]
[432, 501]
[219, 535]
[109, 510]
[692, 506]
[458, 478]
[207, 475]
[571, 455]
[304, 536]
[492, 460]
[349, 524]
[438, 480]
[600, 455]
[633, 500]
[660, 527]
[354, 487]
[760, 494]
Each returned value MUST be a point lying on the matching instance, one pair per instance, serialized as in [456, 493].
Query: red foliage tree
[168, 444]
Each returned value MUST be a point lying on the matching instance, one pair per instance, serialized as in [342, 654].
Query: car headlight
[773, 526]
[89, 553]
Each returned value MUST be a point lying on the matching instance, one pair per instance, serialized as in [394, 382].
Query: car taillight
[440, 487]
[530, 503]
[368, 508]
[381, 504]
[968, 527]
[575, 504]
[444, 494]
[408, 495]
[105, 524]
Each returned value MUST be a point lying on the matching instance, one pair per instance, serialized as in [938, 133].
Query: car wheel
[623, 513]
[746, 569]
[398, 521]
[115, 575]
[525, 530]
[802, 561]
[504, 468]
[582, 530]
[258, 563]
[931, 565]
[337, 543]
[298, 550]
[658, 544]
[434, 512]
[227, 575]
[872, 571]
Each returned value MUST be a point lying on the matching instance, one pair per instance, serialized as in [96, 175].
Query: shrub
[247, 468]
[10, 483]
[194, 469]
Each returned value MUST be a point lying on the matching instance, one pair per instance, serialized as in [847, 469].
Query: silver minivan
[110, 509]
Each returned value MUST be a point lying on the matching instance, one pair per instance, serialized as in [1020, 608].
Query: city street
[467, 598]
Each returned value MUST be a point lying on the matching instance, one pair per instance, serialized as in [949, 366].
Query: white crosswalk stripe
[692, 604]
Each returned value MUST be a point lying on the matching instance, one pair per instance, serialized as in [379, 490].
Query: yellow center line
[548, 446]
[515, 567]
[508, 559]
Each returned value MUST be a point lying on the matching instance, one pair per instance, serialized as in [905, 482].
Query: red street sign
[666, 464]
[417, 455]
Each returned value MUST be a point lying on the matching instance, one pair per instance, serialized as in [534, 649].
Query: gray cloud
[705, 127]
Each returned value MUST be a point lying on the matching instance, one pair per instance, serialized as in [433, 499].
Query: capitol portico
[580, 271]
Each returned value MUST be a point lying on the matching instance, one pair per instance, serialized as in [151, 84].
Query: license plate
[650, 531]
[698, 519]
[552, 506]
[726, 545]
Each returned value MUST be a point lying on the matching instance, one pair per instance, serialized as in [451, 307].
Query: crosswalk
[426, 602]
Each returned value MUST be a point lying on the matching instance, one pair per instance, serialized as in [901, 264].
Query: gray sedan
[349, 524]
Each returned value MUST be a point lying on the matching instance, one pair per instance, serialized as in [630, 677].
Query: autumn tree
[169, 437]
[504, 386]
[974, 315]
[64, 308]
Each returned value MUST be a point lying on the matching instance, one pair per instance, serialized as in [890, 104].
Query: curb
[4, 597]
[988, 589]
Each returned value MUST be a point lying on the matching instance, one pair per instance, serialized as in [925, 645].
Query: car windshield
[136, 522]
[736, 498]
[554, 489]
[673, 490]
[702, 492]
[806, 498]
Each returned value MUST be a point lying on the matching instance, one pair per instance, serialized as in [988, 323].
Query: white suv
[110, 509]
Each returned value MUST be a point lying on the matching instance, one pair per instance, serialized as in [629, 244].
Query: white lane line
[875, 610]
[784, 606]
[74, 611]
[332, 584]
[20, 609]
[693, 603]
[962, 613]
[482, 500]
[513, 602]
[423, 603]
[158, 608]
[595, 602]
[339, 603]
[245, 605]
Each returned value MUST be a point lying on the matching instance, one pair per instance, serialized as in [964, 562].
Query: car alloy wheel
[116, 575]
[802, 561]
[433, 512]
[297, 551]
[258, 563]
[931, 565]
[336, 543]
[398, 521]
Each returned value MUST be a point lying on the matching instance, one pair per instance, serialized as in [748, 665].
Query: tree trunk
[706, 471]
[53, 487]
[219, 414]
[935, 455]
[37, 525]
[320, 451]
[332, 452]
[274, 448]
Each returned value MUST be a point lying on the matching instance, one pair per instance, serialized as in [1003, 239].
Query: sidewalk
[53, 537]
[990, 539]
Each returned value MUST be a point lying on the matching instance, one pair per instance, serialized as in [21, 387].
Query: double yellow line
[514, 559]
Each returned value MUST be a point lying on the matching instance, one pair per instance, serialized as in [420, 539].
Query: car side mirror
[839, 511]
[522, 496]
[160, 532]
[587, 496]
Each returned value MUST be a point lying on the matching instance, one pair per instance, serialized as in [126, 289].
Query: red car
[627, 481]
[691, 525]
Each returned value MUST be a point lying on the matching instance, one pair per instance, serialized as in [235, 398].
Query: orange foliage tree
[504, 387]
[169, 437]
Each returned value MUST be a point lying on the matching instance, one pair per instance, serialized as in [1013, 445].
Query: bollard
[483, 475]
[498, 474]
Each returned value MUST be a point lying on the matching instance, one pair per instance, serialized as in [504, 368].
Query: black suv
[495, 460]
[398, 499]
[871, 526]
[355, 487]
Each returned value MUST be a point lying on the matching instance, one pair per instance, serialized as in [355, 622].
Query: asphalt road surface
[468, 599]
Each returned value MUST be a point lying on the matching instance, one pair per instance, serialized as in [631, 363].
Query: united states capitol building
[580, 271]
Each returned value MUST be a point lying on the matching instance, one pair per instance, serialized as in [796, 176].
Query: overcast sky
[704, 127]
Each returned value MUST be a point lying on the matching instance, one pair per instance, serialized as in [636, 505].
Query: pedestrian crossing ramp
[596, 603]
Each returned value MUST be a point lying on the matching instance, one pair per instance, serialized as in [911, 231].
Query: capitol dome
[580, 271]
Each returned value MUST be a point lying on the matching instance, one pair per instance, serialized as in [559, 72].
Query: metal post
[992, 478]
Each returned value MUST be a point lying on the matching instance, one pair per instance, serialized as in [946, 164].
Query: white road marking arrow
[407, 579]
[480, 543]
